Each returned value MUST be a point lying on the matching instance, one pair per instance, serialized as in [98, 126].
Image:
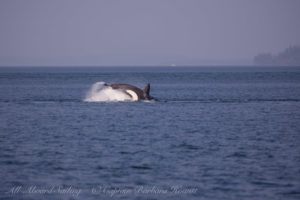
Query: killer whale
[134, 92]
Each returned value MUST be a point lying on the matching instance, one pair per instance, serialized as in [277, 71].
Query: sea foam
[99, 92]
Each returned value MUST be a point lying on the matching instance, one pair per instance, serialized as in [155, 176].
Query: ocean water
[213, 133]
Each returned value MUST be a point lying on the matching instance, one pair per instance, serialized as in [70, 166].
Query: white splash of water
[99, 92]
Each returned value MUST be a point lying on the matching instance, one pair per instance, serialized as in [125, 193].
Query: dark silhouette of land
[289, 57]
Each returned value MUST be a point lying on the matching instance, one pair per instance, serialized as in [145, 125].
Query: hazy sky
[92, 32]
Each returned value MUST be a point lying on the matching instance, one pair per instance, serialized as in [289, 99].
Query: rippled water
[214, 133]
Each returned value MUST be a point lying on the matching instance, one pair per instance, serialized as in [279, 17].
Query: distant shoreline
[141, 66]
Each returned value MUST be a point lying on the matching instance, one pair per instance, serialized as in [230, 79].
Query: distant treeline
[289, 57]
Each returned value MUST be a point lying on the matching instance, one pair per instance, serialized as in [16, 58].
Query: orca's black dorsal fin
[147, 89]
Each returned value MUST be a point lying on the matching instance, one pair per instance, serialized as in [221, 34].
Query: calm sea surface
[214, 133]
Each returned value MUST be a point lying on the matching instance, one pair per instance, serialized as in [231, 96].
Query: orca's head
[146, 92]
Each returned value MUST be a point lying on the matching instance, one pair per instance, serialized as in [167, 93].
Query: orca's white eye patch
[133, 95]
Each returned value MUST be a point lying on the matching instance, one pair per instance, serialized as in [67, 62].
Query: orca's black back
[125, 87]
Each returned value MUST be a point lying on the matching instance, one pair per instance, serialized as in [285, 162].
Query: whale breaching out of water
[133, 92]
[103, 92]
